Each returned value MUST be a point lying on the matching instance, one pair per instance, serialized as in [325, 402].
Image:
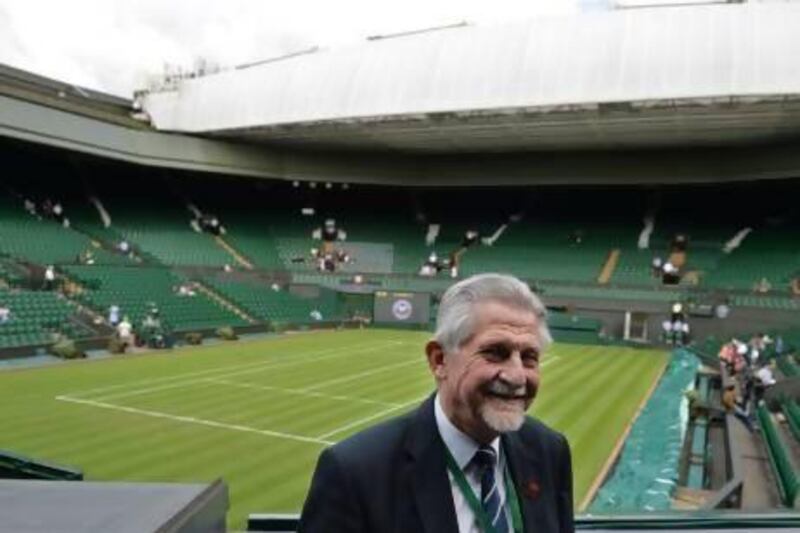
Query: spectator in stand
[49, 278]
[125, 332]
[686, 331]
[470, 237]
[576, 237]
[758, 344]
[342, 257]
[30, 207]
[328, 263]
[453, 262]
[763, 286]
[153, 333]
[330, 233]
[5, 314]
[765, 375]
[670, 274]
[778, 345]
[666, 326]
[764, 380]
[185, 289]
[741, 351]
[677, 332]
[328, 256]
[677, 312]
[732, 407]
[58, 215]
[657, 265]
[746, 384]
[47, 208]
[54, 211]
[211, 224]
[86, 257]
[431, 266]
[113, 315]
[727, 354]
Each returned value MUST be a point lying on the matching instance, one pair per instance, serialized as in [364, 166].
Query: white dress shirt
[463, 448]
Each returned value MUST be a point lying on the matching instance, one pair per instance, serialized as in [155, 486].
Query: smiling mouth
[504, 391]
[507, 397]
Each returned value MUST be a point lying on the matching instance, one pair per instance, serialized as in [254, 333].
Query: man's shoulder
[534, 429]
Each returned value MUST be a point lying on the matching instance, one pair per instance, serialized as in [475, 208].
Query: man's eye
[530, 358]
[495, 352]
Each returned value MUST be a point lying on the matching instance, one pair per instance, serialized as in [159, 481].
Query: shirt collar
[461, 445]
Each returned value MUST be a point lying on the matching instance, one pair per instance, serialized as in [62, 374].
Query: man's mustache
[503, 388]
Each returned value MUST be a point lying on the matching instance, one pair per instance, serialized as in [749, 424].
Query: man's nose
[513, 371]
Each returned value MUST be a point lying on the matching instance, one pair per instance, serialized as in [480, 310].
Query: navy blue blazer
[392, 478]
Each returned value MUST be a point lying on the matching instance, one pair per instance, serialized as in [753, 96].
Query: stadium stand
[255, 244]
[635, 267]
[136, 289]
[616, 293]
[27, 238]
[154, 221]
[171, 240]
[745, 267]
[791, 410]
[275, 305]
[36, 317]
[10, 274]
[86, 220]
[782, 303]
[788, 367]
[782, 464]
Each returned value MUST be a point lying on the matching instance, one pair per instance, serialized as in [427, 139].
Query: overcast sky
[116, 45]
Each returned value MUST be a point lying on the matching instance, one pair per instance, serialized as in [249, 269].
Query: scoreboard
[402, 307]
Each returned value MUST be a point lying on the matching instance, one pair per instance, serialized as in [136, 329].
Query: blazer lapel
[428, 472]
[525, 473]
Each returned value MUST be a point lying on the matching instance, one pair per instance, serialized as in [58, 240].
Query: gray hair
[456, 316]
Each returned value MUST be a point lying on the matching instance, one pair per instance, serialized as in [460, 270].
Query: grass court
[258, 413]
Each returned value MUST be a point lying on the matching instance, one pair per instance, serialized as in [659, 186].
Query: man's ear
[435, 354]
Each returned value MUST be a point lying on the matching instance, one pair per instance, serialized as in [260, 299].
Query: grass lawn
[258, 413]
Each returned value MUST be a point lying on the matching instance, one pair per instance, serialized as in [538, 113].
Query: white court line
[207, 371]
[351, 377]
[550, 360]
[321, 439]
[369, 418]
[379, 414]
[298, 391]
[193, 420]
[381, 369]
[264, 366]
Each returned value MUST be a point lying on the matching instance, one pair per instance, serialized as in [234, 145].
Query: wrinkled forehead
[497, 319]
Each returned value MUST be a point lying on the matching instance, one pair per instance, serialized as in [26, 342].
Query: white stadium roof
[630, 78]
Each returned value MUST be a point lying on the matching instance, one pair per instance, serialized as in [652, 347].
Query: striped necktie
[485, 461]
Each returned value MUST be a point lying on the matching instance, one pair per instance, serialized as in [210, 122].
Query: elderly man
[468, 460]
